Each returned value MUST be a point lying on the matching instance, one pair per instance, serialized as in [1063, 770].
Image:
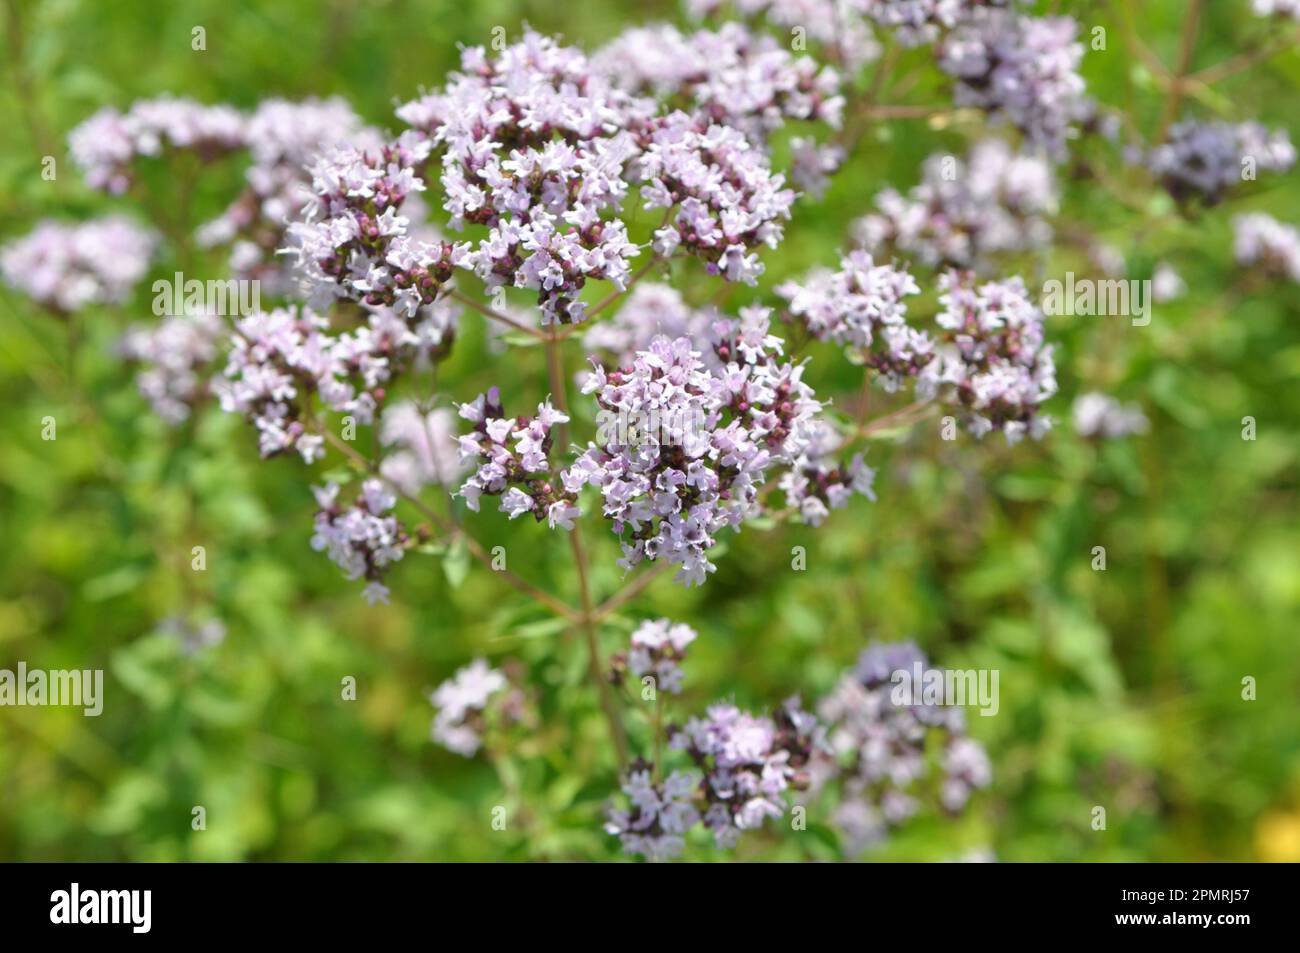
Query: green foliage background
[1119, 688]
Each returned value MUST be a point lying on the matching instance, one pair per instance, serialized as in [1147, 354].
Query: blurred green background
[1119, 688]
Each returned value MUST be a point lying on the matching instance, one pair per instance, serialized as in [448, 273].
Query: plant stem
[659, 735]
[28, 101]
[452, 531]
[496, 315]
[1244, 61]
[594, 664]
[587, 620]
[1178, 86]
[555, 374]
[1152, 62]
[630, 591]
[618, 293]
[905, 416]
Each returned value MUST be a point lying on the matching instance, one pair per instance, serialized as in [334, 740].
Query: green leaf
[455, 565]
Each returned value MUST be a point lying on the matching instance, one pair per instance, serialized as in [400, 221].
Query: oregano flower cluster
[879, 748]
[658, 648]
[966, 212]
[1207, 160]
[837, 26]
[718, 421]
[543, 149]
[748, 764]
[355, 243]
[361, 537]
[108, 145]
[1262, 241]
[862, 307]
[733, 76]
[993, 364]
[175, 358]
[746, 769]
[1021, 70]
[819, 480]
[1102, 417]
[66, 268]
[513, 459]
[283, 139]
[915, 22]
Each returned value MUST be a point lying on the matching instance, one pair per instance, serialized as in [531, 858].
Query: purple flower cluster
[354, 242]
[513, 459]
[660, 814]
[992, 363]
[1263, 241]
[749, 763]
[284, 139]
[847, 39]
[68, 267]
[884, 754]
[658, 649]
[541, 148]
[1102, 417]
[107, 144]
[915, 22]
[876, 751]
[861, 306]
[1206, 159]
[965, 212]
[360, 538]
[745, 768]
[723, 424]
[815, 484]
[1020, 69]
[176, 357]
[730, 76]
[727, 202]
[278, 359]
[534, 145]
[462, 701]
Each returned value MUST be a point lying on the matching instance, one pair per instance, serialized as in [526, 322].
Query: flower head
[965, 212]
[658, 649]
[462, 701]
[878, 751]
[361, 538]
[1206, 160]
[749, 763]
[992, 365]
[862, 306]
[176, 357]
[694, 440]
[108, 143]
[1264, 242]
[512, 455]
[1020, 69]
[731, 76]
[1102, 416]
[659, 815]
[68, 267]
